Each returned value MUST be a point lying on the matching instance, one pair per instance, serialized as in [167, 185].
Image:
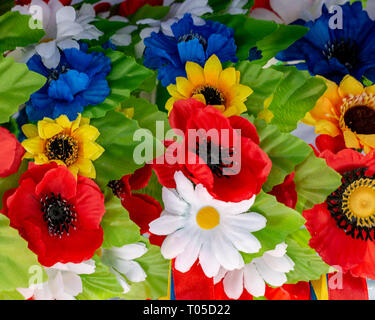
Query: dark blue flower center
[55, 73]
[345, 51]
[58, 213]
[360, 119]
[191, 36]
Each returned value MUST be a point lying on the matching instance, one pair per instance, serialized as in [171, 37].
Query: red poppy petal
[248, 130]
[286, 192]
[331, 242]
[89, 204]
[59, 181]
[11, 153]
[140, 178]
[37, 172]
[142, 209]
[182, 111]
[344, 160]
[326, 142]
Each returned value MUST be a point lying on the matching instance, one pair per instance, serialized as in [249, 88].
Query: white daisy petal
[130, 251]
[279, 264]
[186, 259]
[233, 283]
[132, 270]
[208, 262]
[279, 251]
[172, 202]
[251, 221]
[270, 276]
[244, 241]
[220, 276]
[264, 14]
[226, 253]
[253, 282]
[166, 224]
[174, 244]
[72, 283]
[184, 187]
[49, 53]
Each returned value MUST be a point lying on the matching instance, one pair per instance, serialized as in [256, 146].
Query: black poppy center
[360, 119]
[343, 205]
[345, 51]
[58, 213]
[192, 36]
[62, 147]
[212, 95]
[117, 187]
[217, 158]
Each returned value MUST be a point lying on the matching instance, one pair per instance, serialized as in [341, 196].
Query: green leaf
[16, 32]
[11, 295]
[295, 96]
[311, 188]
[147, 115]
[117, 138]
[284, 150]
[11, 181]
[17, 83]
[156, 283]
[218, 5]
[126, 76]
[263, 81]
[308, 265]
[247, 31]
[281, 221]
[149, 12]
[118, 229]
[15, 258]
[283, 37]
[100, 285]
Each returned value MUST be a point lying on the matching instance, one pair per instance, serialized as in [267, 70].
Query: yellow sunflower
[348, 110]
[67, 143]
[211, 85]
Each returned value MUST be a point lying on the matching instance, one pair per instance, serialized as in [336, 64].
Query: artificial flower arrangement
[150, 151]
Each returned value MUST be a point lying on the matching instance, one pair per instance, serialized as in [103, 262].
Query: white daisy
[236, 7]
[64, 282]
[201, 227]
[271, 268]
[289, 11]
[63, 27]
[196, 8]
[120, 262]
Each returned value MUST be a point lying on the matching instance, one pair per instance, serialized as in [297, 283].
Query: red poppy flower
[286, 192]
[26, 2]
[56, 214]
[232, 167]
[326, 142]
[342, 228]
[129, 7]
[11, 153]
[142, 208]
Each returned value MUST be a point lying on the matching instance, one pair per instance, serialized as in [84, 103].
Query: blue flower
[255, 54]
[190, 42]
[334, 53]
[78, 81]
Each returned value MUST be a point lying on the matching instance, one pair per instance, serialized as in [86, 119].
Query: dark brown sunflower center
[58, 213]
[62, 147]
[352, 205]
[217, 158]
[360, 119]
[212, 95]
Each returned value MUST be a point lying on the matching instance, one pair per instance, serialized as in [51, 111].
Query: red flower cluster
[26, 2]
[129, 7]
[211, 168]
[11, 153]
[58, 215]
[343, 227]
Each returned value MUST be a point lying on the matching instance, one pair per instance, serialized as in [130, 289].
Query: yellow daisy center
[212, 95]
[62, 147]
[359, 202]
[208, 218]
[358, 114]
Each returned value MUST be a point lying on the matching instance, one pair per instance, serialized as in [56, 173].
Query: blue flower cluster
[190, 42]
[78, 81]
[336, 52]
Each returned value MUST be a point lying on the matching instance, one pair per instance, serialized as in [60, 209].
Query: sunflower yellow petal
[368, 139]
[172, 90]
[76, 123]
[350, 85]
[199, 97]
[64, 122]
[184, 86]
[86, 132]
[327, 127]
[227, 79]
[34, 145]
[370, 89]
[195, 73]
[85, 168]
[351, 140]
[48, 129]
[30, 130]
[242, 92]
[169, 104]
[212, 70]
[90, 150]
